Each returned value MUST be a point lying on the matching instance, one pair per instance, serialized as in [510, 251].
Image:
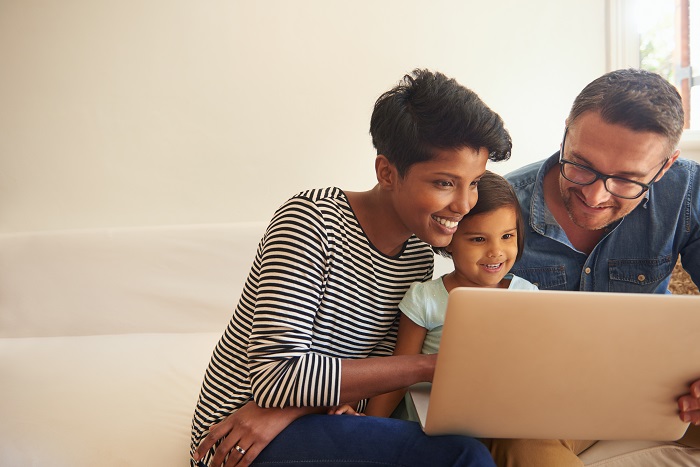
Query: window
[656, 35]
[664, 43]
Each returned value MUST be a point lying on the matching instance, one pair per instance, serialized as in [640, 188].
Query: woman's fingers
[217, 431]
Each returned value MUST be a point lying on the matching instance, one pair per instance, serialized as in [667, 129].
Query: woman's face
[433, 196]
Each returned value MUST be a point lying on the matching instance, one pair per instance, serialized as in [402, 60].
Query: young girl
[488, 241]
[322, 297]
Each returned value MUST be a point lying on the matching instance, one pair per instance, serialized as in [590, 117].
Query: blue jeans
[348, 440]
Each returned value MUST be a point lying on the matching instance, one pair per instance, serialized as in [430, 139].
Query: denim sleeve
[690, 251]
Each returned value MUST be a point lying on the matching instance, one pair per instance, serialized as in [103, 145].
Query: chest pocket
[545, 278]
[638, 275]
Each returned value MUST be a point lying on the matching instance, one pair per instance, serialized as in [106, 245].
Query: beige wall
[148, 112]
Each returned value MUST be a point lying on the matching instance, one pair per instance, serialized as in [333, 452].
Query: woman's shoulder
[330, 201]
[320, 194]
[316, 203]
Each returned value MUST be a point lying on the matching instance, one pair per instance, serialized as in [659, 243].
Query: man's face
[611, 150]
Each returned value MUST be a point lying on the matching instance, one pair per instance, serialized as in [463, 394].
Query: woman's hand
[344, 409]
[689, 405]
[246, 432]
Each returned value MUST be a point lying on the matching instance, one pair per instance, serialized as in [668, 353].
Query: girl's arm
[409, 342]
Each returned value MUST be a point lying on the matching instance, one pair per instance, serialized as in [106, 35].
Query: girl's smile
[484, 248]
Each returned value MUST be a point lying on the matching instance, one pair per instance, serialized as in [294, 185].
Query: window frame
[622, 43]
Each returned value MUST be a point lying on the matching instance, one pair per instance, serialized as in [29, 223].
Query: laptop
[562, 365]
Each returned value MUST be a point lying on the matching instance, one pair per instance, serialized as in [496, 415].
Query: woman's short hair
[427, 111]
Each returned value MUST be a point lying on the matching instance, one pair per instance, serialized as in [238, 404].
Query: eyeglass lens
[617, 186]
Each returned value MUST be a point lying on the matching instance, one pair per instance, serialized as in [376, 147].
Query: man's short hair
[637, 99]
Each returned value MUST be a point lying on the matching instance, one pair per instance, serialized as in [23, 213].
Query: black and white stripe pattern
[317, 292]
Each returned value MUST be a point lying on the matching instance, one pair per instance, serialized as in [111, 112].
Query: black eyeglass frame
[644, 187]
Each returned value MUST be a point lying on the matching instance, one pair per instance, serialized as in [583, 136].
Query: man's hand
[689, 404]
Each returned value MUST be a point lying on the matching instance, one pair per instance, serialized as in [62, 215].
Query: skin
[484, 249]
[431, 194]
[584, 212]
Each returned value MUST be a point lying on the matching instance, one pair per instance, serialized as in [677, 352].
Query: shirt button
[641, 277]
[587, 270]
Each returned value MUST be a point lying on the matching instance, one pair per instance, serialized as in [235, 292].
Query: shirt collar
[540, 215]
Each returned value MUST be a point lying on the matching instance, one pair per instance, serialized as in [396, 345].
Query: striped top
[318, 292]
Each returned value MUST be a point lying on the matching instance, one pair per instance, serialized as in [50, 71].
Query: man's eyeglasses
[617, 186]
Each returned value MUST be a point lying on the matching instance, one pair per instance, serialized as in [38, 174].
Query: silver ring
[239, 449]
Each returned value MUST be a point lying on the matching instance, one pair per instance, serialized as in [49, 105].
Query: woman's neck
[375, 213]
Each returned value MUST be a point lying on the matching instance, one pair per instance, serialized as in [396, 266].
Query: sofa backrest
[131, 280]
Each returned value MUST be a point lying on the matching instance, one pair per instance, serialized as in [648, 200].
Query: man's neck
[582, 239]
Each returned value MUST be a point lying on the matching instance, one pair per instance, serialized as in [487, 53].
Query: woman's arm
[301, 301]
[252, 427]
[409, 342]
[370, 377]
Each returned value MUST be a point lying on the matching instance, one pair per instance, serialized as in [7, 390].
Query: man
[615, 207]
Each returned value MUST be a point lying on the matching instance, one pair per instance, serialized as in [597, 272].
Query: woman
[322, 296]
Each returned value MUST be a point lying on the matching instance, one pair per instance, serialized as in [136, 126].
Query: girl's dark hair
[494, 193]
[426, 112]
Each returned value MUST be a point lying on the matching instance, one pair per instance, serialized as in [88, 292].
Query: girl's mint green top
[425, 304]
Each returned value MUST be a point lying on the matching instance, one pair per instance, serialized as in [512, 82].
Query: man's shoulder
[687, 167]
[524, 176]
[681, 180]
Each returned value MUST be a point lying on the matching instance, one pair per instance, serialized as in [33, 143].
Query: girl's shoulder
[518, 283]
[430, 288]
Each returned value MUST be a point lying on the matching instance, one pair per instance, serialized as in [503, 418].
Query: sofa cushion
[111, 400]
[640, 453]
[113, 281]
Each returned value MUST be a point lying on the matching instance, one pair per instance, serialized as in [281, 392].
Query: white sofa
[105, 336]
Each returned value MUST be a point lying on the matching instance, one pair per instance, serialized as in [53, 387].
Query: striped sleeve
[284, 370]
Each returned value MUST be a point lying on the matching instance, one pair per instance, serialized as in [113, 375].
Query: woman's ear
[387, 175]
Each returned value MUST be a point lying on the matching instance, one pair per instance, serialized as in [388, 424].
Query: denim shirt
[636, 254]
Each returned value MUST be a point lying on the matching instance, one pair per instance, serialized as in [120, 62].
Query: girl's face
[485, 247]
[433, 196]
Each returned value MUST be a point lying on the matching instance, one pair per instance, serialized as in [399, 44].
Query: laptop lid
[564, 365]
